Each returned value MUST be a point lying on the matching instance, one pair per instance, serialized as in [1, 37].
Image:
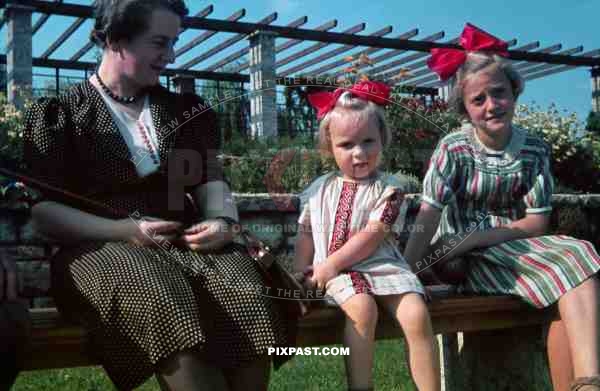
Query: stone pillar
[596, 90]
[19, 72]
[184, 84]
[263, 96]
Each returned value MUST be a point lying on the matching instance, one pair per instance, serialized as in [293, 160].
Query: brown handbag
[276, 274]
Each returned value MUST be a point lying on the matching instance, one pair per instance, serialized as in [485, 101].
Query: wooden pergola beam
[529, 67]
[317, 46]
[331, 53]
[63, 37]
[549, 69]
[433, 76]
[88, 46]
[204, 75]
[330, 82]
[393, 53]
[203, 13]
[540, 68]
[312, 35]
[207, 34]
[242, 52]
[89, 66]
[403, 60]
[41, 20]
[225, 44]
[437, 83]
[292, 42]
[549, 49]
[366, 52]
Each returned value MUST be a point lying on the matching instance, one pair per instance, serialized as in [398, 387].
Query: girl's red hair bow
[445, 62]
[374, 91]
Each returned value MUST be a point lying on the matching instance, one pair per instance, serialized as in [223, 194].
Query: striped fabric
[479, 191]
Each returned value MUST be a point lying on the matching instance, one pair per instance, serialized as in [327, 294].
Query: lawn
[314, 373]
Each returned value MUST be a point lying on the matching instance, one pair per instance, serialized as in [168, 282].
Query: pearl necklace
[121, 99]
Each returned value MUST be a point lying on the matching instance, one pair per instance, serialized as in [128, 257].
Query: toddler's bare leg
[411, 313]
[359, 336]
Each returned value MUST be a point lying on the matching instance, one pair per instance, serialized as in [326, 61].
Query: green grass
[311, 373]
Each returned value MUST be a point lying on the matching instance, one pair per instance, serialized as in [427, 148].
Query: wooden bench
[486, 343]
[57, 344]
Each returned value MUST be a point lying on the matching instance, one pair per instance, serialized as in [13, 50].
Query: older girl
[489, 189]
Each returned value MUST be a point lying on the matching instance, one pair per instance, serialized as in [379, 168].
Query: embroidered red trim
[343, 217]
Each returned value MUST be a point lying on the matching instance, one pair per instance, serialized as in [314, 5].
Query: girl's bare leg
[412, 315]
[359, 336]
[559, 356]
[579, 313]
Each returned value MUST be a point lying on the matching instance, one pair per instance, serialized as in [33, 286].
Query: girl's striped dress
[481, 189]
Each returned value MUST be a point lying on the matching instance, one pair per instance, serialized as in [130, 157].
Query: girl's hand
[322, 274]
[207, 236]
[151, 231]
[448, 247]
[428, 277]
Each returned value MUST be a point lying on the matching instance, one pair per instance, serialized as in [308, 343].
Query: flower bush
[575, 152]
[11, 130]
[416, 126]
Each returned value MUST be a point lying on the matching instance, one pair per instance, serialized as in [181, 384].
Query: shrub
[573, 149]
[11, 131]
[416, 128]
[593, 123]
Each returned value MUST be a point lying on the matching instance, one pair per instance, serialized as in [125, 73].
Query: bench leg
[512, 359]
[448, 347]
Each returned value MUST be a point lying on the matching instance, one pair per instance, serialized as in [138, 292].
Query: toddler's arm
[304, 249]
[359, 246]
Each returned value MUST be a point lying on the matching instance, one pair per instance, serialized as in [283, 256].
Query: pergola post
[184, 84]
[3, 76]
[19, 71]
[445, 89]
[596, 90]
[263, 95]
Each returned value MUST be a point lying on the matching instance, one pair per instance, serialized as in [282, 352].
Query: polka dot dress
[141, 304]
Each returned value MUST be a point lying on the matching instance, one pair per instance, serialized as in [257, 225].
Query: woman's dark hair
[125, 19]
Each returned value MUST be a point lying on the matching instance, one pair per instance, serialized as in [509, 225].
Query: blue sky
[571, 23]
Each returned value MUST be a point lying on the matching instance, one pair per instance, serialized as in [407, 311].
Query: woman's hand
[151, 231]
[208, 235]
[322, 273]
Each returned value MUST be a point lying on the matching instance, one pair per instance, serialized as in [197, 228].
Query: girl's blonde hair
[474, 63]
[348, 104]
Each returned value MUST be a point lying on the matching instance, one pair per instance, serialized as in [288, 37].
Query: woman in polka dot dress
[155, 297]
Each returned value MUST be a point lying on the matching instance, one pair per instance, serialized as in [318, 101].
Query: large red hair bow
[374, 91]
[445, 62]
